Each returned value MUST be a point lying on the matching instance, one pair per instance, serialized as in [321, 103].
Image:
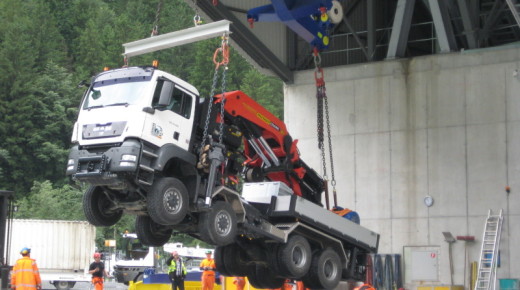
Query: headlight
[70, 162]
[71, 167]
[128, 157]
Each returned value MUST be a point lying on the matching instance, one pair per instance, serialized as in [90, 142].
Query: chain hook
[196, 20]
[224, 50]
[318, 71]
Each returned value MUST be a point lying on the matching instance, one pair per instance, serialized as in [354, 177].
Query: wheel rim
[330, 270]
[172, 201]
[222, 223]
[298, 257]
[104, 205]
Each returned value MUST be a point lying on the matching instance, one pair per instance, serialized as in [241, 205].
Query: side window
[180, 102]
[183, 107]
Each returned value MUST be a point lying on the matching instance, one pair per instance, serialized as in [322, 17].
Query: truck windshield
[114, 93]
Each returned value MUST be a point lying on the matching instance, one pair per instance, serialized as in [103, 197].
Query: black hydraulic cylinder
[216, 155]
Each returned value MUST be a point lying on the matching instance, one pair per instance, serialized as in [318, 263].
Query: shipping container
[62, 249]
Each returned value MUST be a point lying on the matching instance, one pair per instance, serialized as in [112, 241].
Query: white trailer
[62, 249]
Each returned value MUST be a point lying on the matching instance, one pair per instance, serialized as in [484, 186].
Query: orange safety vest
[208, 276]
[25, 275]
[208, 263]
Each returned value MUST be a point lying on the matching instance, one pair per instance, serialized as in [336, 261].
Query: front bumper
[104, 165]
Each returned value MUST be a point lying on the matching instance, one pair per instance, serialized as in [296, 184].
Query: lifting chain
[223, 50]
[323, 108]
[155, 28]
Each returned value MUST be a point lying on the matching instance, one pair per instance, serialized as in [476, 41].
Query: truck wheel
[64, 285]
[138, 277]
[98, 208]
[235, 260]
[151, 233]
[325, 271]
[218, 226]
[294, 257]
[168, 201]
[218, 256]
[264, 278]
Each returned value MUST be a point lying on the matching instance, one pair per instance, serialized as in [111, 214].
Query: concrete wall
[447, 126]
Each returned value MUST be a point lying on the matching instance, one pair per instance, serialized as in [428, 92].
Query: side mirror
[166, 94]
[83, 83]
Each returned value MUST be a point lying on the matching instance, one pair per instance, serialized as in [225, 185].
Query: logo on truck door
[157, 131]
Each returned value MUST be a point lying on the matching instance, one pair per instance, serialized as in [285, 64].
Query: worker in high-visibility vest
[208, 276]
[176, 271]
[25, 274]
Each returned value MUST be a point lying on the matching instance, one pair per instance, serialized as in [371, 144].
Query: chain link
[223, 64]
[333, 178]
[323, 112]
[222, 104]
[210, 105]
[155, 29]
[225, 51]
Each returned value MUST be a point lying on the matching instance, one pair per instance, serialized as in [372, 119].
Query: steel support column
[469, 25]
[443, 28]
[400, 29]
[371, 29]
[356, 37]
[512, 6]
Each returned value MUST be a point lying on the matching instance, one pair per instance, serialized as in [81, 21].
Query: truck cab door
[172, 121]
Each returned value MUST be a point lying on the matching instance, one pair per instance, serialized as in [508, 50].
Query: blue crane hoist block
[307, 18]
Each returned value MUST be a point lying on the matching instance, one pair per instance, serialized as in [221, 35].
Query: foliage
[46, 47]
[48, 202]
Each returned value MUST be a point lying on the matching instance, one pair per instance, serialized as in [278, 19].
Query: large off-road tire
[168, 201]
[218, 256]
[294, 257]
[98, 208]
[325, 271]
[261, 277]
[151, 233]
[218, 226]
[235, 260]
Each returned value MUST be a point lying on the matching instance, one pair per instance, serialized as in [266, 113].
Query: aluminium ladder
[487, 266]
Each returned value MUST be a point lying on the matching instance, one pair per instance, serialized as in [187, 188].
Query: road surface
[86, 286]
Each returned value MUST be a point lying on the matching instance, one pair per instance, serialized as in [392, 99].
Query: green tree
[266, 90]
[29, 41]
[48, 202]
